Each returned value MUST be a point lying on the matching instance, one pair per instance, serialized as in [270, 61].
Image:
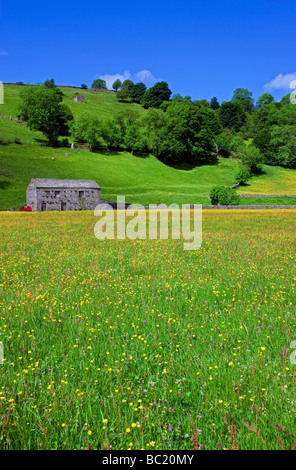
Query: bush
[223, 144]
[224, 196]
[242, 175]
[88, 130]
[214, 194]
[251, 158]
[236, 145]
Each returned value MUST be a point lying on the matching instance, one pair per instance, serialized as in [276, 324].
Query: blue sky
[201, 49]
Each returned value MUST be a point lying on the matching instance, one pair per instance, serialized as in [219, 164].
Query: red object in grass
[26, 209]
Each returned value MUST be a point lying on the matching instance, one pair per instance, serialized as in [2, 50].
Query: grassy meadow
[120, 344]
[144, 180]
[141, 180]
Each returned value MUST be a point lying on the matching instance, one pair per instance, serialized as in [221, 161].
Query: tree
[236, 145]
[262, 140]
[186, 136]
[137, 92]
[123, 93]
[154, 96]
[204, 103]
[153, 123]
[49, 83]
[251, 158]
[285, 100]
[128, 84]
[84, 86]
[112, 135]
[88, 130]
[245, 98]
[223, 144]
[264, 99]
[99, 84]
[180, 98]
[41, 108]
[283, 141]
[117, 84]
[266, 116]
[214, 104]
[134, 139]
[232, 115]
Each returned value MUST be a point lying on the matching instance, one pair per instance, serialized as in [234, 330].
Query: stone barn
[79, 99]
[62, 195]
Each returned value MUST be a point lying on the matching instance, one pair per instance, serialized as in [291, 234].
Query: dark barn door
[63, 206]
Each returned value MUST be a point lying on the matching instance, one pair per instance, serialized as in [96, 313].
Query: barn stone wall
[67, 199]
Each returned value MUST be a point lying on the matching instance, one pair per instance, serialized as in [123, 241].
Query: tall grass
[140, 345]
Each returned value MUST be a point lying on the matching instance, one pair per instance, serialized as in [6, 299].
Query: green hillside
[141, 180]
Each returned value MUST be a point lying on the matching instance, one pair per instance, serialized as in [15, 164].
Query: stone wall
[68, 199]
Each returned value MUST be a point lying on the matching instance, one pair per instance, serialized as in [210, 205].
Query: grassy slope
[141, 180]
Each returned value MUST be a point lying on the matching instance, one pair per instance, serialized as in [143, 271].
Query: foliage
[244, 97]
[128, 84]
[41, 108]
[88, 130]
[137, 91]
[223, 144]
[283, 142]
[117, 84]
[236, 144]
[264, 99]
[154, 96]
[123, 93]
[180, 98]
[262, 140]
[99, 84]
[242, 175]
[188, 134]
[224, 196]
[232, 115]
[214, 103]
[49, 83]
[251, 158]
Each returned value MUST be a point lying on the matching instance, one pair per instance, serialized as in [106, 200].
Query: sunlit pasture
[138, 344]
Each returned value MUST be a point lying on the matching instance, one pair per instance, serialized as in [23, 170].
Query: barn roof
[62, 184]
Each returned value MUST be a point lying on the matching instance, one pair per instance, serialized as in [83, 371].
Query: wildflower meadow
[139, 344]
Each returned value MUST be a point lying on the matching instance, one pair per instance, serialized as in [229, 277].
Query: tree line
[176, 129]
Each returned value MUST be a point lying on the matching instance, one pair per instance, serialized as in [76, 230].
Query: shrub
[242, 175]
[236, 145]
[251, 158]
[224, 196]
[214, 194]
[223, 144]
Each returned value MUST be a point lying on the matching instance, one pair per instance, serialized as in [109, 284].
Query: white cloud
[281, 82]
[144, 76]
[110, 78]
[3, 53]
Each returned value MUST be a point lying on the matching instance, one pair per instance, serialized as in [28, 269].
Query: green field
[140, 180]
[120, 344]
